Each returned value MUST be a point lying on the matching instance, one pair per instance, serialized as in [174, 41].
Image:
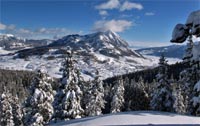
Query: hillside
[105, 51]
[172, 51]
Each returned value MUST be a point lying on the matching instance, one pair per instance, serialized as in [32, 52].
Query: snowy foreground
[134, 118]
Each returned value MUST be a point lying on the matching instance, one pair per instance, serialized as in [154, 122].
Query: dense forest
[18, 81]
[49, 99]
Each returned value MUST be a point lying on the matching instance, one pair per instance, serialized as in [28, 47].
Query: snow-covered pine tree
[196, 90]
[118, 96]
[178, 105]
[39, 108]
[188, 52]
[95, 100]
[196, 99]
[129, 94]
[86, 93]
[141, 85]
[67, 101]
[142, 94]
[162, 99]
[10, 110]
[17, 111]
[6, 115]
[189, 76]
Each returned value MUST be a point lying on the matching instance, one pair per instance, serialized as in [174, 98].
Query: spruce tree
[39, 108]
[118, 96]
[162, 99]
[6, 115]
[142, 87]
[142, 95]
[10, 110]
[17, 111]
[67, 101]
[190, 75]
[196, 99]
[95, 100]
[178, 105]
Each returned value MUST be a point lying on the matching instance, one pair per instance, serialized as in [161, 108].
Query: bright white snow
[107, 66]
[132, 118]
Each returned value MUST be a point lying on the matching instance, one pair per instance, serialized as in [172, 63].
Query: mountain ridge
[107, 43]
[11, 42]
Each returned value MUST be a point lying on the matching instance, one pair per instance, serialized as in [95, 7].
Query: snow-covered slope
[107, 66]
[133, 118]
[172, 51]
[107, 43]
[103, 51]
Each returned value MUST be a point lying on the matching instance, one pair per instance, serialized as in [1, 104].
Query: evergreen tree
[118, 96]
[188, 52]
[162, 99]
[17, 111]
[142, 95]
[95, 100]
[67, 101]
[196, 99]
[142, 87]
[10, 110]
[86, 93]
[39, 108]
[130, 93]
[178, 105]
[189, 77]
[6, 115]
[196, 90]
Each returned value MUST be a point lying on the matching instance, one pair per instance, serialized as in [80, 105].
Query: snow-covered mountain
[106, 43]
[11, 42]
[104, 51]
[172, 51]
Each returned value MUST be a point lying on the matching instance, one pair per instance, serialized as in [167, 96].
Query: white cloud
[2, 26]
[149, 13]
[115, 4]
[111, 4]
[51, 30]
[39, 33]
[114, 25]
[103, 13]
[130, 5]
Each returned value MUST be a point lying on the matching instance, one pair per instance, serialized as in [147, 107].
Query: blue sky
[140, 22]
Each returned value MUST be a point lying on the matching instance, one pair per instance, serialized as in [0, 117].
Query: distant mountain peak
[110, 32]
[108, 43]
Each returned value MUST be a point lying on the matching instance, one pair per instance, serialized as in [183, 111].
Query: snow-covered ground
[155, 59]
[3, 51]
[107, 66]
[134, 118]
